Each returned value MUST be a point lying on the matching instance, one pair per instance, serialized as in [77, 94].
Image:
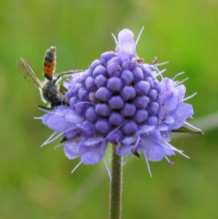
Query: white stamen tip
[115, 38]
[37, 117]
[162, 63]
[177, 150]
[139, 34]
[191, 96]
[44, 110]
[160, 73]
[178, 74]
[170, 162]
[53, 137]
[76, 167]
[48, 139]
[183, 154]
[148, 166]
[192, 127]
[107, 169]
[182, 81]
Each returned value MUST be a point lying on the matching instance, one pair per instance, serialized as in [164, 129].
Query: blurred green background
[36, 183]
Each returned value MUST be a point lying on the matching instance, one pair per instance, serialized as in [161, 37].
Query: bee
[50, 89]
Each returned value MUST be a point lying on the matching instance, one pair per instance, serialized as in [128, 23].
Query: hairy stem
[116, 187]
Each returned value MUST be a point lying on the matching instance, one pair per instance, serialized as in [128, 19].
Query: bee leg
[70, 72]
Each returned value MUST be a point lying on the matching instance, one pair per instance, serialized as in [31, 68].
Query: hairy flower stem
[116, 187]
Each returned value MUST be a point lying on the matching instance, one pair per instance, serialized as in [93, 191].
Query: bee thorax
[51, 94]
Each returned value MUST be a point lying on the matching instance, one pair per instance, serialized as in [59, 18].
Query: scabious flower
[120, 100]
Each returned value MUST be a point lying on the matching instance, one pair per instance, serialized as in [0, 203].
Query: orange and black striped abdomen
[50, 62]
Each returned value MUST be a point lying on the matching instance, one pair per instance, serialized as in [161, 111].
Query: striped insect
[51, 90]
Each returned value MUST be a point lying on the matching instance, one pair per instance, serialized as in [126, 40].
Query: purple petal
[61, 119]
[71, 150]
[93, 141]
[87, 128]
[182, 113]
[123, 150]
[92, 155]
[126, 146]
[146, 129]
[155, 150]
[129, 140]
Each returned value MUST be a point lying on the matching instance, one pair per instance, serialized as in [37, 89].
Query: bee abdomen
[50, 62]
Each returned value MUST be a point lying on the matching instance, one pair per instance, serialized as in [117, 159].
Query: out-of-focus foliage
[36, 183]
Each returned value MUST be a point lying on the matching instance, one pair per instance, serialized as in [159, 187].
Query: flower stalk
[116, 186]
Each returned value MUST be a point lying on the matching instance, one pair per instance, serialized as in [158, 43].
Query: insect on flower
[51, 90]
[121, 100]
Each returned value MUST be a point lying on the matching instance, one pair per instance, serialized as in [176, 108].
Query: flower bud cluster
[113, 94]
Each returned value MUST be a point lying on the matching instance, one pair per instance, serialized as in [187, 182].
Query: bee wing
[29, 72]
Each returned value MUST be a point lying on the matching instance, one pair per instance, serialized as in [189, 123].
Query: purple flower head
[122, 101]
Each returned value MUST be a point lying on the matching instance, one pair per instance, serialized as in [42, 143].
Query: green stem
[116, 187]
